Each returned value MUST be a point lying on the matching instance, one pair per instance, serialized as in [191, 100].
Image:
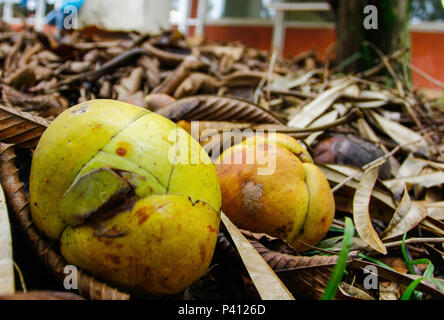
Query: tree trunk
[392, 33]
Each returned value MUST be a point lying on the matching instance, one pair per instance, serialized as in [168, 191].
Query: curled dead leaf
[361, 215]
[407, 216]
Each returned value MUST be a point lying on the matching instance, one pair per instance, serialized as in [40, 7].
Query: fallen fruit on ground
[271, 185]
[112, 182]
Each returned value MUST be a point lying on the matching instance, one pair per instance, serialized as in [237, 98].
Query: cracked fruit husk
[271, 185]
[132, 198]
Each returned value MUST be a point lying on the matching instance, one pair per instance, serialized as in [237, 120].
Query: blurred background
[264, 24]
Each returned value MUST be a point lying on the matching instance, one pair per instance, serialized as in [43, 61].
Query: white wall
[126, 15]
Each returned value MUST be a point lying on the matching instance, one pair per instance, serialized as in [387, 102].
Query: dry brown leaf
[410, 167]
[133, 81]
[243, 79]
[217, 108]
[375, 95]
[346, 170]
[352, 91]
[308, 283]
[389, 290]
[323, 120]
[434, 226]
[281, 262]
[176, 77]
[20, 128]
[195, 82]
[361, 213]
[367, 132]
[424, 180]
[353, 293]
[407, 216]
[234, 51]
[370, 104]
[268, 285]
[433, 164]
[436, 210]
[303, 78]
[402, 135]
[319, 105]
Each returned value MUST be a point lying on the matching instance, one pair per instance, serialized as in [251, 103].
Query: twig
[266, 79]
[270, 72]
[387, 64]
[381, 65]
[414, 240]
[352, 115]
[422, 73]
[106, 68]
[22, 279]
[293, 93]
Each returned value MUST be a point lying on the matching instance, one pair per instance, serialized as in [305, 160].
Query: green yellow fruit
[117, 185]
[281, 193]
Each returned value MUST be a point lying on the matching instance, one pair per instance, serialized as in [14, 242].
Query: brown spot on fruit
[211, 229]
[102, 231]
[252, 199]
[115, 259]
[123, 149]
[202, 252]
[97, 127]
[143, 214]
[121, 152]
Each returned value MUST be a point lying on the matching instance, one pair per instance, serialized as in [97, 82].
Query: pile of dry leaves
[380, 148]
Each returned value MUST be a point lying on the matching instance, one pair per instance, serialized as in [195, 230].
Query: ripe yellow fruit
[293, 202]
[107, 182]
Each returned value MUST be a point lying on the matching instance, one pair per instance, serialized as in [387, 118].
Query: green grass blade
[375, 261]
[411, 289]
[404, 254]
[428, 273]
[339, 269]
[336, 229]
